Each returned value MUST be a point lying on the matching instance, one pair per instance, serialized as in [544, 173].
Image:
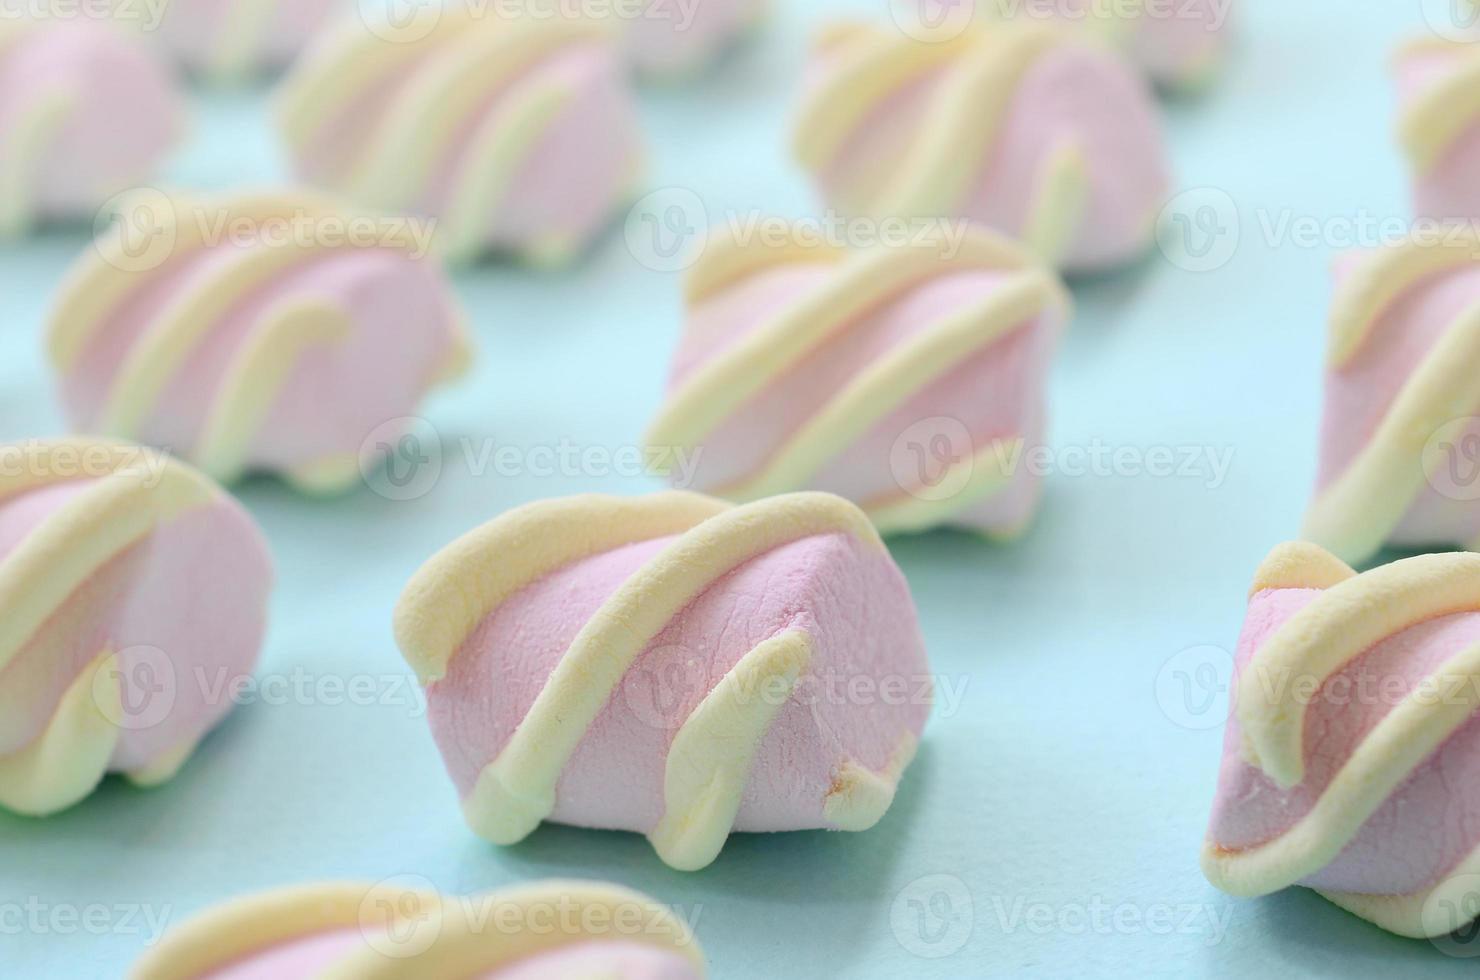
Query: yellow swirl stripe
[26, 143]
[1445, 111]
[465, 582]
[72, 755]
[78, 538]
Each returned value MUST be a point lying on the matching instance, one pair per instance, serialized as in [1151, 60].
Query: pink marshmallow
[177, 660]
[391, 330]
[859, 702]
[1074, 115]
[1349, 766]
[532, 119]
[989, 393]
[85, 113]
[1429, 483]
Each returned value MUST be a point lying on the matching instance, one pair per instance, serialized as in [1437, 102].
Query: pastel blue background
[1074, 776]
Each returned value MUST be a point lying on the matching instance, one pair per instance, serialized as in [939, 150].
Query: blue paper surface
[1052, 822]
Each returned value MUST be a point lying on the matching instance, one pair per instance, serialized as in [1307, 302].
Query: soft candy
[517, 134]
[1351, 764]
[85, 113]
[908, 377]
[1400, 444]
[1029, 130]
[670, 665]
[274, 333]
[392, 931]
[133, 599]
